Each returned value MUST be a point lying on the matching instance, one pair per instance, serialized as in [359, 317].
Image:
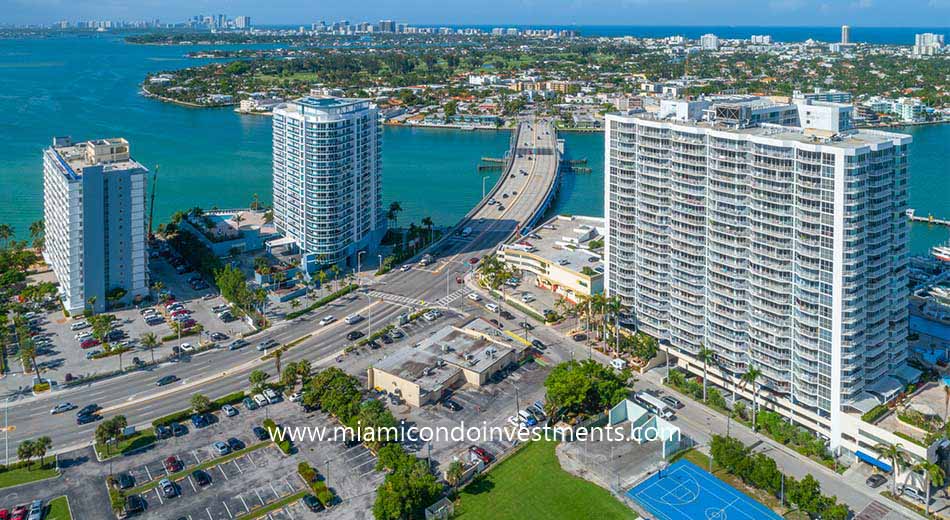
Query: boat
[941, 253]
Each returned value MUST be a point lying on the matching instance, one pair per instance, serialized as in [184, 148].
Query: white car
[353, 318]
[187, 347]
[327, 320]
[83, 335]
[62, 407]
[260, 400]
[515, 421]
[474, 297]
[294, 397]
[492, 307]
[405, 268]
[79, 325]
[229, 410]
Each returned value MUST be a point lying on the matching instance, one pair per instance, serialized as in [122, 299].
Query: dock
[929, 219]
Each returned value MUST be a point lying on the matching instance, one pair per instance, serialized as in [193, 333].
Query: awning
[908, 374]
[865, 402]
[886, 388]
[877, 463]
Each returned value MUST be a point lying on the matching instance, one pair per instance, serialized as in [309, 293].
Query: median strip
[273, 506]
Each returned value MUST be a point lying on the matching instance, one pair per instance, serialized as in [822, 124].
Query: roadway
[216, 373]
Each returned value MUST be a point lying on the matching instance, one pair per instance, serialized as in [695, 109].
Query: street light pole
[359, 266]
[484, 178]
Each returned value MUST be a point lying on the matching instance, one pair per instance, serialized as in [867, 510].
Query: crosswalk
[445, 300]
[397, 298]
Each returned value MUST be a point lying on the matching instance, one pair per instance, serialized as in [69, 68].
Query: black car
[261, 433]
[374, 344]
[526, 326]
[235, 444]
[219, 336]
[875, 480]
[536, 343]
[125, 481]
[449, 404]
[134, 504]
[167, 380]
[354, 335]
[579, 337]
[202, 478]
[312, 503]
[179, 429]
[89, 409]
[386, 339]
[507, 315]
[199, 420]
[88, 418]
[163, 432]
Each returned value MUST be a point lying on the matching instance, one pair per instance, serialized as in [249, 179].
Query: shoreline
[145, 92]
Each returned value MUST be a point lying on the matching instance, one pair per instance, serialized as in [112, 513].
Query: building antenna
[151, 205]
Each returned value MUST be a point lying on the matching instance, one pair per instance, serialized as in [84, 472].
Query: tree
[24, 451]
[303, 370]
[749, 378]
[427, 222]
[894, 453]
[28, 355]
[406, 492]
[705, 355]
[806, 494]
[454, 474]
[278, 354]
[585, 386]
[933, 474]
[6, 233]
[41, 446]
[38, 233]
[150, 341]
[257, 380]
[200, 403]
[393, 214]
[289, 376]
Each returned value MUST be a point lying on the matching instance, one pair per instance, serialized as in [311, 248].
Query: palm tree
[28, 357]
[277, 355]
[6, 233]
[394, 208]
[749, 378]
[303, 369]
[255, 202]
[427, 222]
[238, 218]
[150, 342]
[37, 231]
[335, 269]
[705, 355]
[946, 403]
[41, 446]
[933, 474]
[894, 453]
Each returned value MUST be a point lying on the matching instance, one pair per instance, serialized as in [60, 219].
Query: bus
[654, 404]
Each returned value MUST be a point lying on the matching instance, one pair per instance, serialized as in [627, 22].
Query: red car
[172, 464]
[4, 514]
[19, 512]
[480, 453]
[188, 323]
[89, 343]
[179, 312]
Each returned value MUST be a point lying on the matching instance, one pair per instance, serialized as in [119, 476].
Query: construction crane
[151, 204]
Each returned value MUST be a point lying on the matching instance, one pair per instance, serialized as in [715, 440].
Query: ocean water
[87, 87]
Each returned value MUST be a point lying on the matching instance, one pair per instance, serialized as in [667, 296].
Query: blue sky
[873, 13]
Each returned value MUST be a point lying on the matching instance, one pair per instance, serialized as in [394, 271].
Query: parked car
[89, 343]
[199, 420]
[260, 400]
[172, 464]
[536, 343]
[492, 307]
[449, 404]
[229, 410]
[168, 488]
[125, 481]
[271, 396]
[261, 433]
[480, 454]
[672, 401]
[134, 504]
[913, 494]
[875, 480]
[163, 432]
[221, 448]
[235, 444]
[526, 326]
[201, 477]
[179, 429]
[250, 404]
[312, 503]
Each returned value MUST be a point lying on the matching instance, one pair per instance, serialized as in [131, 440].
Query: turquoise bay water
[87, 87]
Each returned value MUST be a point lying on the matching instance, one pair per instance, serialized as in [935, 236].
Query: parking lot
[59, 353]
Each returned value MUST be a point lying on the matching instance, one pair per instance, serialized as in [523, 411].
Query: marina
[929, 219]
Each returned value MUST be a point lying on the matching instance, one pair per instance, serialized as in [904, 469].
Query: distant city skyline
[857, 13]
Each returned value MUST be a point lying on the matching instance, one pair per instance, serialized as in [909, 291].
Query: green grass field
[136, 441]
[532, 485]
[59, 509]
[18, 476]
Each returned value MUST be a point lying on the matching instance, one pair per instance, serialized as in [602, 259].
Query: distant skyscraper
[782, 249]
[242, 22]
[94, 211]
[928, 44]
[845, 34]
[709, 42]
[387, 26]
[327, 178]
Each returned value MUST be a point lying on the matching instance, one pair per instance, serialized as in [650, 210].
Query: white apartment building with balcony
[94, 214]
[327, 178]
[777, 247]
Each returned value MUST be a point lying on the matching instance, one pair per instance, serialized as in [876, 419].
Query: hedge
[874, 414]
[284, 444]
[173, 336]
[319, 487]
[183, 415]
[322, 301]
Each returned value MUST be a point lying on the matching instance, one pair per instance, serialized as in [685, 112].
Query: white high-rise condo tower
[846, 34]
[94, 214]
[327, 178]
[732, 228]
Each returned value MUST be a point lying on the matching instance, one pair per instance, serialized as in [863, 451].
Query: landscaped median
[58, 509]
[26, 472]
[214, 406]
[273, 506]
[322, 301]
[129, 444]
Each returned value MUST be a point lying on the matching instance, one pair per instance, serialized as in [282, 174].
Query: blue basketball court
[684, 491]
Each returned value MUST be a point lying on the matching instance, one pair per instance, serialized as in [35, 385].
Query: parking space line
[210, 516]
[159, 495]
[147, 472]
[370, 461]
[192, 482]
[285, 510]
[276, 494]
[197, 459]
[237, 466]
[258, 496]
[228, 509]
[223, 473]
[246, 509]
[291, 488]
